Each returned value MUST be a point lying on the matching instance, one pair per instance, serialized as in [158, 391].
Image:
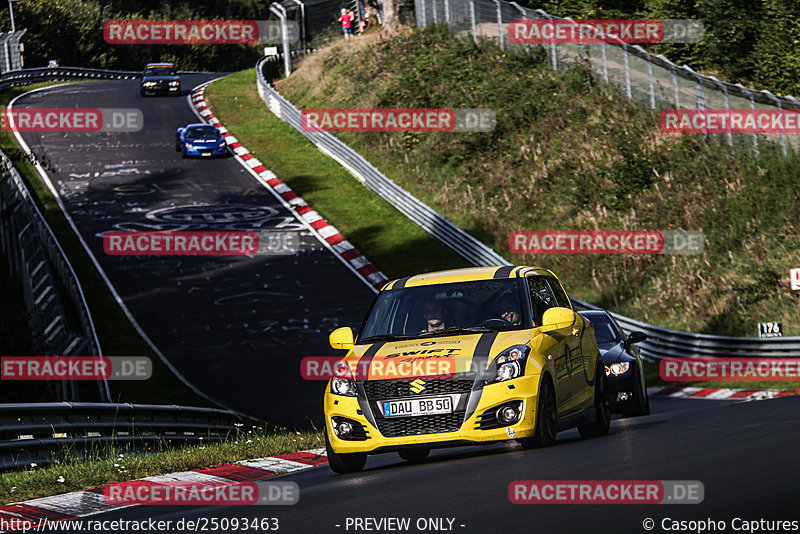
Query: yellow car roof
[466, 275]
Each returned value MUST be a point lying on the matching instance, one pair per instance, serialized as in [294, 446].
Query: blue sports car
[200, 140]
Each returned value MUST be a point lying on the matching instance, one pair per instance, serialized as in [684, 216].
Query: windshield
[160, 71]
[202, 132]
[604, 331]
[447, 309]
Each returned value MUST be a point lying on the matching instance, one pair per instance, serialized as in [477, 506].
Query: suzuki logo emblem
[417, 386]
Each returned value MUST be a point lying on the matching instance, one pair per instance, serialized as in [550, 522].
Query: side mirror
[342, 338]
[555, 318]
[635, 337]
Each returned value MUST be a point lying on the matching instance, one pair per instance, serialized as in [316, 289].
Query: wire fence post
[500, 24]
[435, 16]
[605, 61]
[753, 108]
[627, 71]
[553, 58]
[652, 85]
[447, 12]
[472, 20]
[525, 17]
[782, 134]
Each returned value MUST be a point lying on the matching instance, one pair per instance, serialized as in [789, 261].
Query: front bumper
[203, 151]
[161, 90]
[625, 383]
[449, 430]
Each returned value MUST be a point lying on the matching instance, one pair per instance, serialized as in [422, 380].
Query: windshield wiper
[384, 337]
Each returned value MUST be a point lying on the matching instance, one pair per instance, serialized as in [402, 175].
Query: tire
[642, 402]
[344, 463]
[602, 421]
[546, 419]
[414, 456]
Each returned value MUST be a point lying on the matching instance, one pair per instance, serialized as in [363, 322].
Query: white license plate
[414, 407]
[205, 154]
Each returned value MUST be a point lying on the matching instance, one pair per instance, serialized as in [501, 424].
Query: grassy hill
[568, 154]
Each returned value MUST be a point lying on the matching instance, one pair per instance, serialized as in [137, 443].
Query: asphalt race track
[235, 327]
[744, 453]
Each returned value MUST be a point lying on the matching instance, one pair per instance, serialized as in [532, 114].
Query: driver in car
[509, 310]
[435, 314]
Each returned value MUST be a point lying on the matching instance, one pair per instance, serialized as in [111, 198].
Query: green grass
[392, 242]
[117, 465]
[571, 154]
[117, 335]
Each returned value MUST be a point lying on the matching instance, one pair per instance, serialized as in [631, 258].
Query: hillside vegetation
[568, 154]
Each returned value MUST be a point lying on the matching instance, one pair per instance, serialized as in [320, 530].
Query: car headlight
[222, 142]
[149, 84]
[174, 83]
[618, 368]
[342, 382]
[507, 365]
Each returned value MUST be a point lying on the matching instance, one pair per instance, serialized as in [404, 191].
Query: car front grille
[423, 424]
[393, 389]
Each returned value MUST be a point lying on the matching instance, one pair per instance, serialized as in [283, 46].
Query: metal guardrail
[36, 259]
[43, 433]
[661, 342]
[49, 74]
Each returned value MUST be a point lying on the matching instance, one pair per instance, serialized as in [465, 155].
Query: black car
[627, 390]
[160, 79]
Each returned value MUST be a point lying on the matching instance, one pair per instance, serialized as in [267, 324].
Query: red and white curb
[327, 233]
[719, 393]
[78, 504]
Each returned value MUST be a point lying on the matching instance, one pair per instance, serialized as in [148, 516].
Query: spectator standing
[346, 19]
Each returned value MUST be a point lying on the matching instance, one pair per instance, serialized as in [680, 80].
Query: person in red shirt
[347, 22]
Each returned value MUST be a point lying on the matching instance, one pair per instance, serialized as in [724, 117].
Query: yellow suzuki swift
[463, 357]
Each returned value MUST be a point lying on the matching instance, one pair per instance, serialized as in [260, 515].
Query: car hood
[160, 78]
[614, 353]
[429, 356]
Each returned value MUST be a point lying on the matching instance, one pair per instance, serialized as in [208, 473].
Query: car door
[580, 348]
[565, 351]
